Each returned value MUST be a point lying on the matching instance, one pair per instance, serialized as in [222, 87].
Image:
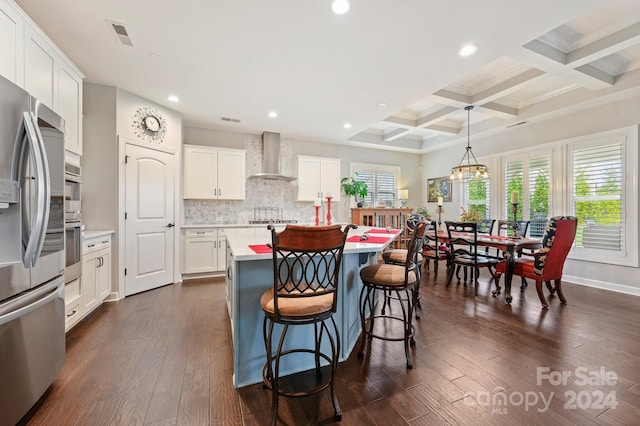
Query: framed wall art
[439, 187]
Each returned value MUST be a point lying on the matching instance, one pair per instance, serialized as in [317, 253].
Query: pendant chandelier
[468, 168]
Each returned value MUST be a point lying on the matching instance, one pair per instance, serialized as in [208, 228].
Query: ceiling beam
[505, 87]
[451, 98]
[439, 115]
[498, 110]
[446, 130]
[553, 61]
[405, 123]
[622, 39]
[396, 134]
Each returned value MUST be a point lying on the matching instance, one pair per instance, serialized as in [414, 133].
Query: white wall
[128, 104]
[612, 116]
[99, 159]
[108, 112]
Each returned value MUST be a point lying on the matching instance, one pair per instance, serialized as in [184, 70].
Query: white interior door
[149, 224]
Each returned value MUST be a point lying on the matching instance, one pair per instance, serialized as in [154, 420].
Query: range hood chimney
[271, 158]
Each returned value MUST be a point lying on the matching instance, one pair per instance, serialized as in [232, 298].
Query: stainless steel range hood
[271, 158]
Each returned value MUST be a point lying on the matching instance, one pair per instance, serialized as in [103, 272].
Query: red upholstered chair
[548, 262]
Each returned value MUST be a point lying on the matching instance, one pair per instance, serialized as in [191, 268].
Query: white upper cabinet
[318, 177]
[39, 67]
[214, 173]
[11, 43]
[33, 62]
[70, 107]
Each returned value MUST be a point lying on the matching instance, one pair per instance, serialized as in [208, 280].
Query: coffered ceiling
[241, 59]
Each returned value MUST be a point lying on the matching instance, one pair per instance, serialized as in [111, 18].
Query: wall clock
[149, 124]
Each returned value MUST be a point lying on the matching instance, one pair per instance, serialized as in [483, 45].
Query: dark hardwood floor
[164, 357]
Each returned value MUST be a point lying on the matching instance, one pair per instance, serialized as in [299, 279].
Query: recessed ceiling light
[468, 49]
[340, 7]
[273, 114]
[347, 125]
[382, 104]
[173, 98]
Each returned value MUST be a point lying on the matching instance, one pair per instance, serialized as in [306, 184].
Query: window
[592, 177]
[597, 196]
[477, 194]
[382, 182]
[530, 177]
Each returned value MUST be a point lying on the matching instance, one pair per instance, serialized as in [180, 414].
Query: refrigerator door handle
[31, 301]
[43, 191]
[27, 136]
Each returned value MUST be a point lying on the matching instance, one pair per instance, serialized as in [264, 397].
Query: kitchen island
[249, 274]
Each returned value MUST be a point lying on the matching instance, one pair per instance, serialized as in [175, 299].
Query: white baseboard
[619, 288]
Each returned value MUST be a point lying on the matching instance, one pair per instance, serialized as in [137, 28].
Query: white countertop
[239, 240]
[221, 225]
[96, 233]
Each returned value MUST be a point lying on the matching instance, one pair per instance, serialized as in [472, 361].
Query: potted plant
[422, 210]
[355, 188]
[470, 216]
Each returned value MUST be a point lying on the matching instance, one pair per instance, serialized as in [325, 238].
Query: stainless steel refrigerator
[32, 259]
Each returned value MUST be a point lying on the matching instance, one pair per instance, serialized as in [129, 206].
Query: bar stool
[306, 265]
[391, 279]
[399, 257]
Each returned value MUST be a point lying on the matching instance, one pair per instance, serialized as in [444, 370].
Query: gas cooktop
[272, 221]
[269, 215]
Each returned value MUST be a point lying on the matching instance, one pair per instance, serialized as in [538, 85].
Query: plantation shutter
[477, 192]
[382, 182]
[386, 188]
[513, 182]
[539, 195]
[598, 191]
[368, 177]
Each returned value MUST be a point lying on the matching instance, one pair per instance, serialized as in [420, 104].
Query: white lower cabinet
[203, 250]
[72, 302]
[88, 292]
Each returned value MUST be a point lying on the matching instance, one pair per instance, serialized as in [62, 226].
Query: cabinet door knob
[171, 225]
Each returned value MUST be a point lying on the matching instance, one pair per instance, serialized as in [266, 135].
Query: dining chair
[306, 266]
[485, 226]
[435, 250]
[399, 281]
[463, 243]
[505, 228]
[547, 263]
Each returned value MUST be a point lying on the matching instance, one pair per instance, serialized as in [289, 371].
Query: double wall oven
[72, 222]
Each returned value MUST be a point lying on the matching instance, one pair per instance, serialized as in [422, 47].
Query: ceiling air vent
[121, 33]
[517, 124]
[230, 120]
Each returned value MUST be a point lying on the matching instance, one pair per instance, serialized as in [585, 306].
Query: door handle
[171, 225]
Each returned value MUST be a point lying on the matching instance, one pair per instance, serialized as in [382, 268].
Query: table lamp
[403, 196]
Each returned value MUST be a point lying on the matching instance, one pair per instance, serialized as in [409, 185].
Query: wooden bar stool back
[306, 265]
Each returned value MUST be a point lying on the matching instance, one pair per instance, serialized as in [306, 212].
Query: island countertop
[239, 240]
[250, 274]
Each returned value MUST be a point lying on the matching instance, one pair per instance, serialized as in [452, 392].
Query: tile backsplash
[260, 193]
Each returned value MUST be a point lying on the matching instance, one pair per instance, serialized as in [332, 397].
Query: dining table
[511, 247]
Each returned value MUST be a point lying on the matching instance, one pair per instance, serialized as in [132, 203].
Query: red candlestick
[317, 218]
[329, 210]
